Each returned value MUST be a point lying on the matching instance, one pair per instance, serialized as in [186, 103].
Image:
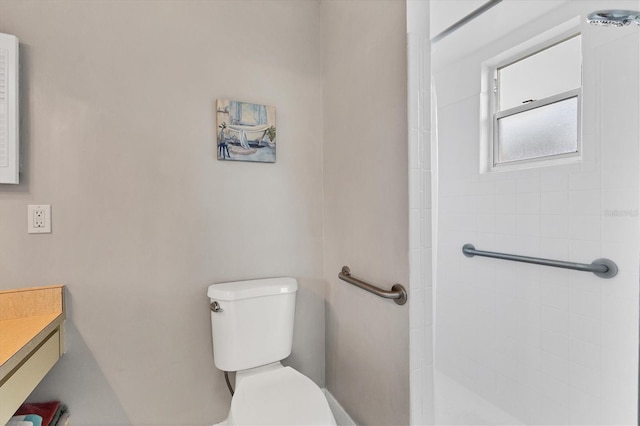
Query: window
[535, 106]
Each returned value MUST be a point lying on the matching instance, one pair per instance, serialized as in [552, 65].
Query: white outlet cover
[39, 219]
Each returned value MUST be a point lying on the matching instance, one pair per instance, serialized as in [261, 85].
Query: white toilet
[252, 325]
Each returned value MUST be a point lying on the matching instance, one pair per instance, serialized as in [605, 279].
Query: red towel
[46, 410]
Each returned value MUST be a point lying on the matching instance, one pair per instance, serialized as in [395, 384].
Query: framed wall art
[245, 131]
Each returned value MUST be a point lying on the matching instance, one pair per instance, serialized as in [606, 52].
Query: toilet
[252, 326]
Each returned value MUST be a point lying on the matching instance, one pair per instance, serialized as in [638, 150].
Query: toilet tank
[253, 325]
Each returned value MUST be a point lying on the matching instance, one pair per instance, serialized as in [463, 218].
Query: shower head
[614, 18]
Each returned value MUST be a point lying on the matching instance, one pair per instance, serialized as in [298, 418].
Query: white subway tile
[529, 184]
[620, 229]
[585, 379]
[584, 409]
[529, 291]
[583, 301]
[584, 181]
[623, 202]
[414, 148]
[428, 306]
[425, 152]
[414, 189]
[428, 403]
[554, 367]
[528, 203]
[621, 388]
[425, 108]
[585, 354]
[554, 389]
[486, 204]
[487, 223]
[555, 294]
[615, 414]
[619, 350]
[425, 195]
[415, 270]
[416, 392]
[508, 394]
[414, 237]
[505, 203]
[554, 181]
[554, 343]
[586, 329]
[505, 280]
[427, 353]
[584, 227]
[506, 187]
[584, 203]
[620, 170]
[506, 224]
[427, 267]
[555, 203]
[555, 320]
[554, 226]
[553, 413]
[555, 248]
[426, 236]
[528, 224]
[457, 205]
[584, 251]
[415, 350]
[532, 413]
[528, 246]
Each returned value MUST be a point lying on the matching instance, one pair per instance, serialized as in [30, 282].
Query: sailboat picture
[245, 131]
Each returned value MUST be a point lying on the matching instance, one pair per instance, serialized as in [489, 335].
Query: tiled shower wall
[547, 346]
[420, 239]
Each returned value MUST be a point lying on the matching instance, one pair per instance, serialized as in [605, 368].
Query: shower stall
[524, 122]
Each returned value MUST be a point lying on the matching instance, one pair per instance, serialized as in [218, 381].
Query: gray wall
[118, 126]
[366, 206]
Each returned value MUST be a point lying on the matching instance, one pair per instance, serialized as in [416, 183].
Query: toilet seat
[280, 396]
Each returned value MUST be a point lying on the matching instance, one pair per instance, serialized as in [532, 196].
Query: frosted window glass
[547, 130]
[551, 71]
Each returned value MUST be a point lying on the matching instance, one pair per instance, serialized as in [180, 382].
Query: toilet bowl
[278, 396]
[252, 327]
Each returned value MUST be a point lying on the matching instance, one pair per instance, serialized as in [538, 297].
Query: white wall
[546, 346]
[366, 206]
[420, 214]
[118, 127]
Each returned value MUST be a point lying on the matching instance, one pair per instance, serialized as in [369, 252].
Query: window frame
[491, 70]
[570, 94]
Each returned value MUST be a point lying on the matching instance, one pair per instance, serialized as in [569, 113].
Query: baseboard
[342, 417]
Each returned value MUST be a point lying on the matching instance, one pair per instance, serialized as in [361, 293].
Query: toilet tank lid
[237, 290]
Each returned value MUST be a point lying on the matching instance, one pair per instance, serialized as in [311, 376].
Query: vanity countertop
[31, 341]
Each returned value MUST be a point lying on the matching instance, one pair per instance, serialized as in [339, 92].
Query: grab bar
[397, 293]
[604, 268]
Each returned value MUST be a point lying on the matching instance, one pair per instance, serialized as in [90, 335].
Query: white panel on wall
[524, 344]
[9, 152]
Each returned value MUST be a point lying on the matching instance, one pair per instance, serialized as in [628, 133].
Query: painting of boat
[246, 131]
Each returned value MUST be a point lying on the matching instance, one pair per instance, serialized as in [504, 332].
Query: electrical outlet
[39, 219]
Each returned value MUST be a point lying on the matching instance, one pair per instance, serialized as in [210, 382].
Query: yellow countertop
[16, 333]
[27, 317]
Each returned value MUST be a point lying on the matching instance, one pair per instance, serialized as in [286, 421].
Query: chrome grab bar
[397, 293]
[604, 268]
